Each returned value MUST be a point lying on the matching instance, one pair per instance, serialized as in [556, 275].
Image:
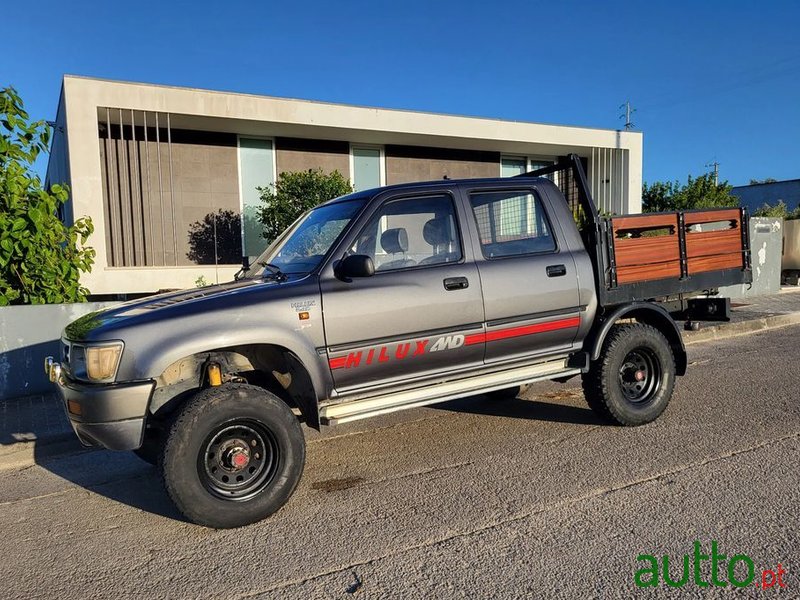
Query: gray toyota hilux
[394, 298]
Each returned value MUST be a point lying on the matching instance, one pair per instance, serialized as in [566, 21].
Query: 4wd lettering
[448, 342]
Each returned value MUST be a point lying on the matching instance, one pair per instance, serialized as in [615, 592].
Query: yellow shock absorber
[214, 375]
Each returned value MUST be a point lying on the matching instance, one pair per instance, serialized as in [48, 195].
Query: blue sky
[709, 80]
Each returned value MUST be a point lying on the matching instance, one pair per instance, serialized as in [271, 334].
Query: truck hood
[102, 324]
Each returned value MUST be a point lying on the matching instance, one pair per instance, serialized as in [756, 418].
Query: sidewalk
[752, 314]
[35, 428]
[32, 429]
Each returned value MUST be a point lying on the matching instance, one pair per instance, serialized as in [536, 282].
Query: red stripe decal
[502, 334]
[337, 363]
[475, 338]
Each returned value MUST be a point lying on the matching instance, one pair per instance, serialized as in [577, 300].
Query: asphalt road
[529, 497]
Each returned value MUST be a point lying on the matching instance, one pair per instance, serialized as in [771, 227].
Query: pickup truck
[394, 298]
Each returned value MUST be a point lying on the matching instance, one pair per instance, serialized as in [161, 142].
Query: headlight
[102, 361]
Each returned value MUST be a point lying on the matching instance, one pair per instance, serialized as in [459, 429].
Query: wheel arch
[270, 366]
[643, 312]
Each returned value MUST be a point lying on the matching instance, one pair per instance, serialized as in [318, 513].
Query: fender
[644, 312]
[149, 354]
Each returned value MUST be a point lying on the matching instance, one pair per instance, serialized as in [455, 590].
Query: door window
[511, 223]
[411, 232]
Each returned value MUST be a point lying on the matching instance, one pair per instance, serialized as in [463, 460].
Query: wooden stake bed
[656, 246]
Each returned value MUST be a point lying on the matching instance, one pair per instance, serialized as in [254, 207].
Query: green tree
[759, 181]
[778, 210]
[698, 192]
[41, 259]
[293, 194]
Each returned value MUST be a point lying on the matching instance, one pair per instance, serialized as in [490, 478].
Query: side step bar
[361, 409]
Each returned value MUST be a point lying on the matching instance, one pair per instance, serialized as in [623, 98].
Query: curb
[727, 330]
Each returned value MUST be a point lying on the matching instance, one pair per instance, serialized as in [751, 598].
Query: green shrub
[41, 259]
[778, 210]
[698, 192]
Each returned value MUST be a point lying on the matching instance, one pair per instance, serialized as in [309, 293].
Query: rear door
[412, 318]
[528, 276]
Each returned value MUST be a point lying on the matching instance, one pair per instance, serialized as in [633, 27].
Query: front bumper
[112, 416]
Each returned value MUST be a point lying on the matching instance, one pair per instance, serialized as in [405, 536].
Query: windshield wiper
[274, 271]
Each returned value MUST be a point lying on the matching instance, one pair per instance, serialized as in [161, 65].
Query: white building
[161, 170]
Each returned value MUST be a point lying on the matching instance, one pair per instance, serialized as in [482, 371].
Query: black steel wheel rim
[640, 375]
[238, 459]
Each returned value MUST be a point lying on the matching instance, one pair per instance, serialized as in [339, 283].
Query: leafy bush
[293, 194]
[41, 259]
[700, 192]
[778, 210]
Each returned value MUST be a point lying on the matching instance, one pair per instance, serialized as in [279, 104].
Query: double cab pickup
[394, 298]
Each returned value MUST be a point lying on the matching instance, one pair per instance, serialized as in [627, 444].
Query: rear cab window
[511, 223]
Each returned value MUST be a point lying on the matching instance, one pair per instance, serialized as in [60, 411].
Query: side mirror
[355, 265]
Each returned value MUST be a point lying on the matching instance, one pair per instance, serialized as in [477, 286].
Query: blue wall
[755, 196]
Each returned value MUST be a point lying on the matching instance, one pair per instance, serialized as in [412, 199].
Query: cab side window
[411, 232]
[511, 223]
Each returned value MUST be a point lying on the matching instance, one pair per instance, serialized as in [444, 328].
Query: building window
[256, 169]
[366, 167]
[516, 165]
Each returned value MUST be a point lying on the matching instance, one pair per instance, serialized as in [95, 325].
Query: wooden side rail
[675, 245]
[646, 247]
[716, 244]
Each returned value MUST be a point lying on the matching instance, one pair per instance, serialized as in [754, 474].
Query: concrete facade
[297, 154]
[146, 207]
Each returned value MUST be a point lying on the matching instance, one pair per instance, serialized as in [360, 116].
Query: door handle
[455, 283]
[556, 271]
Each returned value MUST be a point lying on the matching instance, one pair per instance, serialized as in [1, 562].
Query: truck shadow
[117, 476]
[123, 477]
[522, 408]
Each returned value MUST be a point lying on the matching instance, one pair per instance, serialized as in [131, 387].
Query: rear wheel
[233, 456]
[631, 383]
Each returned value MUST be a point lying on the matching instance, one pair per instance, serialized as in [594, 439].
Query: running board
[361, 409]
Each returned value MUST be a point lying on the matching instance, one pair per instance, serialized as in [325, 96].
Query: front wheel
[233, 456]
[631, 383]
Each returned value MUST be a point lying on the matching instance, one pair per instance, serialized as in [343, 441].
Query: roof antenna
[627, 115]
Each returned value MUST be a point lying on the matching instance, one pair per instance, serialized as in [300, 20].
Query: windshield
[302, 247]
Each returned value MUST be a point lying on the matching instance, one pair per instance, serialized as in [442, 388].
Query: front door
[528, 276]
[414, 316]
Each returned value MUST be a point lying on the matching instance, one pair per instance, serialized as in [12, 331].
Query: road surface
[475, 498]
